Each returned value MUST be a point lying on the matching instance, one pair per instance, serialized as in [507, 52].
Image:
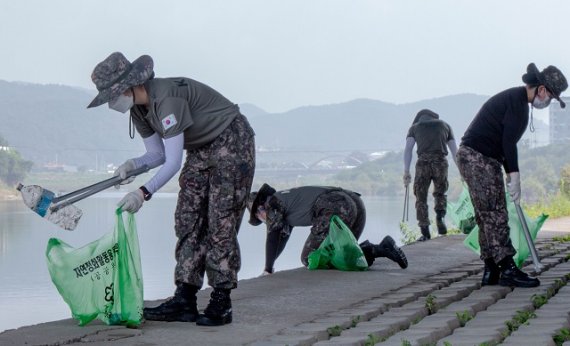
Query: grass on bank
[554, 206]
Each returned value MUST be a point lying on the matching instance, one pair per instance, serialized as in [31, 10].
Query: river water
[27, 295]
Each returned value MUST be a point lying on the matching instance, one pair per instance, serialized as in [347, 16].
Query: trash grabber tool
[406, 204]
[537, 265]
[60, 210]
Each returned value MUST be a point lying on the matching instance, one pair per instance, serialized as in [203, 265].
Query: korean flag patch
[168, 122]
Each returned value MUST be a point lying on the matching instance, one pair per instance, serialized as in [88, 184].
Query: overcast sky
[280, 55]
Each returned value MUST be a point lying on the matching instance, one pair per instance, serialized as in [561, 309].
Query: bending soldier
[313, 206]
[488, 146]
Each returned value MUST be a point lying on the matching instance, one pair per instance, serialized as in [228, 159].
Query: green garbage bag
[102, 279]
[516, 233]
[339, 250]
[462, 213]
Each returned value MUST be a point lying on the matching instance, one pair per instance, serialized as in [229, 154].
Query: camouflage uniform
[215, 183]
[347, 205]
[484, 177]
[430, 167]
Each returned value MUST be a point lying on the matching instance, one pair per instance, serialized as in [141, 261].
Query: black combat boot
[491, 273]
[181, 307]
[219, 309]
[368, 250]
[511, 275]
[425, 233]
[387, 248]
[441, 227]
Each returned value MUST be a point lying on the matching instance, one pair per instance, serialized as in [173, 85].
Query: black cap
[255, 198]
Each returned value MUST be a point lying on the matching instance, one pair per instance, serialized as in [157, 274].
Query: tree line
[13, 168]
[545, 171]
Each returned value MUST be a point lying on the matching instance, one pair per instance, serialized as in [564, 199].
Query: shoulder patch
[169, 121]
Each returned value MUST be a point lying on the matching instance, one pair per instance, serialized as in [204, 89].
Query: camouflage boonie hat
[552, 78]
[116, 74]
[255, 198]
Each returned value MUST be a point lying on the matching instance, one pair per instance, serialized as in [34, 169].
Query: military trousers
[484, 178]
[430, 168]
[214, 184]
[343, 203]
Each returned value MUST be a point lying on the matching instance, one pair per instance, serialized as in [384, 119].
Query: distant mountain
[49, 123]
[251, 111]
[359, 124]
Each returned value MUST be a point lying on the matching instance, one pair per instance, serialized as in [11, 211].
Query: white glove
[132, 202]
[123, 170]
[514, 186]
[407, 178]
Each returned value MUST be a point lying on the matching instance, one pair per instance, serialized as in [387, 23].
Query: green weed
[464, 317]
[562, 336]
[334, 331]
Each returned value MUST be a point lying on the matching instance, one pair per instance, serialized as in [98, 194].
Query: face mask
[541, 104]
[122, 103]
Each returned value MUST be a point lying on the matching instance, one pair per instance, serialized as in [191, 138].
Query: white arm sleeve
[452, 148]
[410, 142]
[154, 155]
[173, 150]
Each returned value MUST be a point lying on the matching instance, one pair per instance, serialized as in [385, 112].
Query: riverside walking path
[437, 300]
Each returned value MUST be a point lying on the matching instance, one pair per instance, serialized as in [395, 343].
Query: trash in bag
[516, 233]
[102, 279]
[339, 250]
[462, 213]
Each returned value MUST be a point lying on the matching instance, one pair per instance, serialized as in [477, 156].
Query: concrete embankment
[438, 300]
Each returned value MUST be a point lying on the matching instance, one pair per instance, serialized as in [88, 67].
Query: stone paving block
[472, 337]
[318, 330]
[415, 305]
[433, 331]
[419, 291]
[343, 341]
[542, 340]
[501, 290]
[549, 326]
[485, 324]
[351, 314]
[471, 285]
[441, 318]
[400, 298]
[384, 326]
[416, 336]
[459, 307]
[291, 340]
[552, 313]
[365, 313]
[378, 306]
[412, 314]
[453, 277]
[344, 322]
[469, 270]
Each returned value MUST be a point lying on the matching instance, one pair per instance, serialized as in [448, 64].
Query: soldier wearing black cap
[313, 206]
[488, 146]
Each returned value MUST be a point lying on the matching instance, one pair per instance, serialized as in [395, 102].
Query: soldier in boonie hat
[114, 75]
[489, 146]
[173, 115]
